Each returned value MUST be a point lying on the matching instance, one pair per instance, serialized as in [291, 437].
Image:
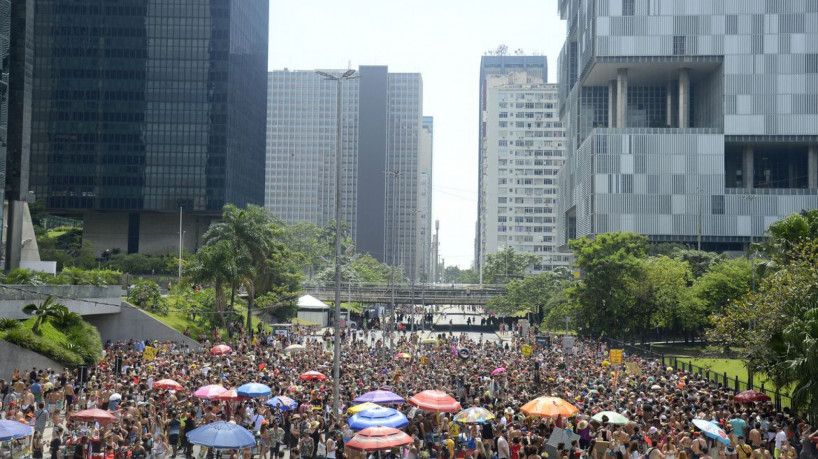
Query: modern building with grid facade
[522, 154]
[688, 120]
[141, 108]
[535, 67]
[383, 159]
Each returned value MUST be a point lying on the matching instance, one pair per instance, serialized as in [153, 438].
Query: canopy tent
[311, 309]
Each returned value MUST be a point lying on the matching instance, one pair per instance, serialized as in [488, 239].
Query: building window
[678, 45]
[717, 204]
[628, 7]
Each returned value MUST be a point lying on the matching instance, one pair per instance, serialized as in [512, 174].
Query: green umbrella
[613, 418]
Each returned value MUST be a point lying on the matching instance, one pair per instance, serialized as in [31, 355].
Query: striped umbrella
[474, 415]
[435, 401]
[379, 438]
[220, 349]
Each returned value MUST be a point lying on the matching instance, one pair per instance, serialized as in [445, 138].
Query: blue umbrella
[712, 430]
[375, 417]
[221, 435]
[283, 403]
[254, 390]
[381, 397]
[10, 430]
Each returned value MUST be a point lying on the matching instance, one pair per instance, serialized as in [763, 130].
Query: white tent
[313, 310]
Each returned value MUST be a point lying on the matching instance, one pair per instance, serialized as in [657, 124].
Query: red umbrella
[167, 384]
[220, 349]
[752, 396]
[435, 400]
[379, 438]
[312, 375]
[228, 395]
[93, 415]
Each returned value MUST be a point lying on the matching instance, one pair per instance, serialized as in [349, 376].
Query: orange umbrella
[549, 407]
[435, 400]
[378, 438]
[167, 384]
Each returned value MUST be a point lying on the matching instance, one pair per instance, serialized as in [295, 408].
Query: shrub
[24, 337]
[8, 324]
[146, 294]
[21, 276]
[85, 340]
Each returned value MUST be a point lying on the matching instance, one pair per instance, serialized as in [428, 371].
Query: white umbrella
[295, 348]
[115, 396]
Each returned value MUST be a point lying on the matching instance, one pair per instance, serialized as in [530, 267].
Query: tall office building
[424, 205]
[522, 154]
[382, 158]
[688, 119]
[141, 108]
[535, 67]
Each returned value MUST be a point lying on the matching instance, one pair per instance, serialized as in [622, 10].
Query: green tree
[530, 295]
[306, 241]
[723, 283]
[506, 265]
[662, 298]
[700, 261]
[603, 298]
[786, 235]
[46, 309]
[215, 264]
[258, 244]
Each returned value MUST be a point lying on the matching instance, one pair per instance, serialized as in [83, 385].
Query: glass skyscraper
[141, 108]
[688, 120]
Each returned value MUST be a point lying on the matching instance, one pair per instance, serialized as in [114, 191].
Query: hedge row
[24, 337]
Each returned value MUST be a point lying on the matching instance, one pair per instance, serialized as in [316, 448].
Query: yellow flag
[149, 353]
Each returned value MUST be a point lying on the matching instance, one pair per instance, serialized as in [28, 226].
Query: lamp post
[336, 360]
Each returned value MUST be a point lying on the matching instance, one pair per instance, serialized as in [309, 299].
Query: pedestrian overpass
[426, 294]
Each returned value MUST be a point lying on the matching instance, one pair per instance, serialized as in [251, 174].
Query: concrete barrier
[23, 359]
[85, 300]
[132, 323]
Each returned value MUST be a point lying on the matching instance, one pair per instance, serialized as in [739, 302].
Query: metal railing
[778, 397]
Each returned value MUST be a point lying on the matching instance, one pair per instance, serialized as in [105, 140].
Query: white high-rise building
[521, 157]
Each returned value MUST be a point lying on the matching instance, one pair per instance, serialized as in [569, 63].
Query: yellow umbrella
[549, 407]
[429, 341]
[361, 407]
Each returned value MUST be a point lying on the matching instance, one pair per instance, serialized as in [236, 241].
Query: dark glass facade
[5, 62]
[148, 106]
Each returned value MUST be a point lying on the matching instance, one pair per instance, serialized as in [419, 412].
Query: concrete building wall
[131, 323]
[86, 300]
[19, 358]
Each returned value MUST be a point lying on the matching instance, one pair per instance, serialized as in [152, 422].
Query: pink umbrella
[209, 391]
[497, 371]
[228, 395]
[167, 384]
[220, 349]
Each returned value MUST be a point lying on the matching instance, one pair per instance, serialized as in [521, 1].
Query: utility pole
[752, 198]
[180, 244]
[699, 239]
[336, 361]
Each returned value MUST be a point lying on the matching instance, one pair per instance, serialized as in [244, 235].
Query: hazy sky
[441, 39]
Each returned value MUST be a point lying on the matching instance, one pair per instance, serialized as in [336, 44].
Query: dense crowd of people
[659, 402]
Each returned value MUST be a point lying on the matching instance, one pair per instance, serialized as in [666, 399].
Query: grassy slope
[47, 331]
[180, 321]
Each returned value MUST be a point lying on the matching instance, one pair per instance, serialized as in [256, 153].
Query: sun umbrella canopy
[474, 415]
[115, 396]
[361, 407]
[497, 371]
[221, 435]
[220, 349]
[379, 438]
[549, 407]
[295, 348]
[379, 416]
[167, 384]
[381, 397]
[752, 396]
[712, 430]
[436, 401]
[283, 403]
[429, 341]
[403, 355]
[612, 418]
[93, 415]
[254, 390]
[9, 430]
[312, 376]
[209, 391]
[228, 395]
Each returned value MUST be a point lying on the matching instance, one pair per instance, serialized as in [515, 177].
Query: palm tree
[48, 308]
[249, 234]
[217, 264]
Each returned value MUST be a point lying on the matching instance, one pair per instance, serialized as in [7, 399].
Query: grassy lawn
[733, 368]
[181, 321]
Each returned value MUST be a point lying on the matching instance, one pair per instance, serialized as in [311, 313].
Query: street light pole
[336, 361]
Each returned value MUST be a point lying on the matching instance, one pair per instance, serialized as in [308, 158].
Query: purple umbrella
[380, 397]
